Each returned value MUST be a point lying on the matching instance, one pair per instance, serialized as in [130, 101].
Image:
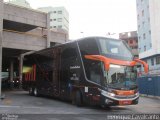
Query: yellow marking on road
[7, 101]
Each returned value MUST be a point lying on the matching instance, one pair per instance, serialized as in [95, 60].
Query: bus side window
[68, 59]
[93, 71]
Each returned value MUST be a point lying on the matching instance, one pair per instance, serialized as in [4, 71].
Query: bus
[93, 70]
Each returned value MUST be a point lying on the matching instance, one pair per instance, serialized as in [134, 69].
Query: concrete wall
[23, 41]
[23, 3]
[33, 40]
[59, 36]
[25, 15]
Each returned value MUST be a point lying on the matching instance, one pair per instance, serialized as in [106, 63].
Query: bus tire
[106, 107]
[78, 99]
[31, 91]
[36, 92]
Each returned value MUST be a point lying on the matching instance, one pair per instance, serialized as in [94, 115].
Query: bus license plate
[125, 102]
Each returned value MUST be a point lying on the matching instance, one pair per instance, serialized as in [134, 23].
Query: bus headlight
[137, 94]
[105, 93]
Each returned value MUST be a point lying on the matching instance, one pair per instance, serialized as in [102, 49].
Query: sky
[95, 17]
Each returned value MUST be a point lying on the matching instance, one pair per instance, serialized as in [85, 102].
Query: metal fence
[149, 85]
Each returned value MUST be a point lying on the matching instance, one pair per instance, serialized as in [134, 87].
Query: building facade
[22, 3]
[21, 33]
[59, 17]
[148, 22]
[132, 40]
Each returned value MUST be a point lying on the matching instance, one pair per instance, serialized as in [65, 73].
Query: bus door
[56, 70]
[94, 74]
[69, 61]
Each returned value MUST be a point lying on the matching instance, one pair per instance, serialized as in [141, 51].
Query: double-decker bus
[92, 70]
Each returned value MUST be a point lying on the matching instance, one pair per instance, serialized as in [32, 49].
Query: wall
[25, 15]
[149, 85]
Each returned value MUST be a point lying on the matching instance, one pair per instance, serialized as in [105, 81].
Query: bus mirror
[107, 65]
[99, 58]
[145, 65]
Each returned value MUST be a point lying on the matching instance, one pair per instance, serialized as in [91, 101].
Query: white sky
[95, 17]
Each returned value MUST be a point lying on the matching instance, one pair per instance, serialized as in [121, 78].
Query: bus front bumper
[119, 100]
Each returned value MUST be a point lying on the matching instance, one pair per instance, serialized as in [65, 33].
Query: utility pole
[1, 40]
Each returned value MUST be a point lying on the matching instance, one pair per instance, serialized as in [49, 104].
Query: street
[30, 107]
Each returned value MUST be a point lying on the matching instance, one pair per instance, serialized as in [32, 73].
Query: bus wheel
[31, 91]
[106, 107]
[35, 92]
[78, 99]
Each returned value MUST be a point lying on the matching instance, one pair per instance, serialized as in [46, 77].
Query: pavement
[20, 105]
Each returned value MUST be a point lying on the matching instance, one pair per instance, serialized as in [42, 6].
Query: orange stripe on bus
[108, 61]
[122, 92]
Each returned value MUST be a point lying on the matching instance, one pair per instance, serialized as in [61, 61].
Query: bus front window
[115, 49]
[121, 77]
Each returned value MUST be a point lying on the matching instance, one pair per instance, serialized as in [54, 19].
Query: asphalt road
[18, 105]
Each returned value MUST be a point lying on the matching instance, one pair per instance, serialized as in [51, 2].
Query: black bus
[92, 70]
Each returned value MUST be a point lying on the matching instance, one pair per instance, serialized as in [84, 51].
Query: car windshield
[116, 49]
[121, 77]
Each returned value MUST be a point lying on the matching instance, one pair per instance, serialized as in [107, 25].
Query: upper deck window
[88, 47]
[115, 49]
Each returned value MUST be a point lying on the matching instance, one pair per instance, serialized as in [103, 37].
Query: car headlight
[105, 93]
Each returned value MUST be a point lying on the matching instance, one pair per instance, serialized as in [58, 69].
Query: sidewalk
[150, 96]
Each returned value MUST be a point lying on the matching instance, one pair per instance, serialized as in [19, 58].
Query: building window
[144, 48]
[139, 26]
[142, 12]
[144, 36]
[54, 26]
[51, 20]
[139, 37]
[54, 11]
[158, 60]
[149, 31]
[54, 19]
[152, 61]
[59, 26]
[149, 19]
[135, 47]
[129, 34]
[59, 19]
[141, 0]
[59, 12]
[151, 45]
[131, 41]
[143, 23]
[138, 16]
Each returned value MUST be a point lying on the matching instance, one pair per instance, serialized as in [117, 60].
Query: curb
[150, 96]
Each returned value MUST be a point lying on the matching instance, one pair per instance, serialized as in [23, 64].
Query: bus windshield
[116, 49]
[121, 77]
